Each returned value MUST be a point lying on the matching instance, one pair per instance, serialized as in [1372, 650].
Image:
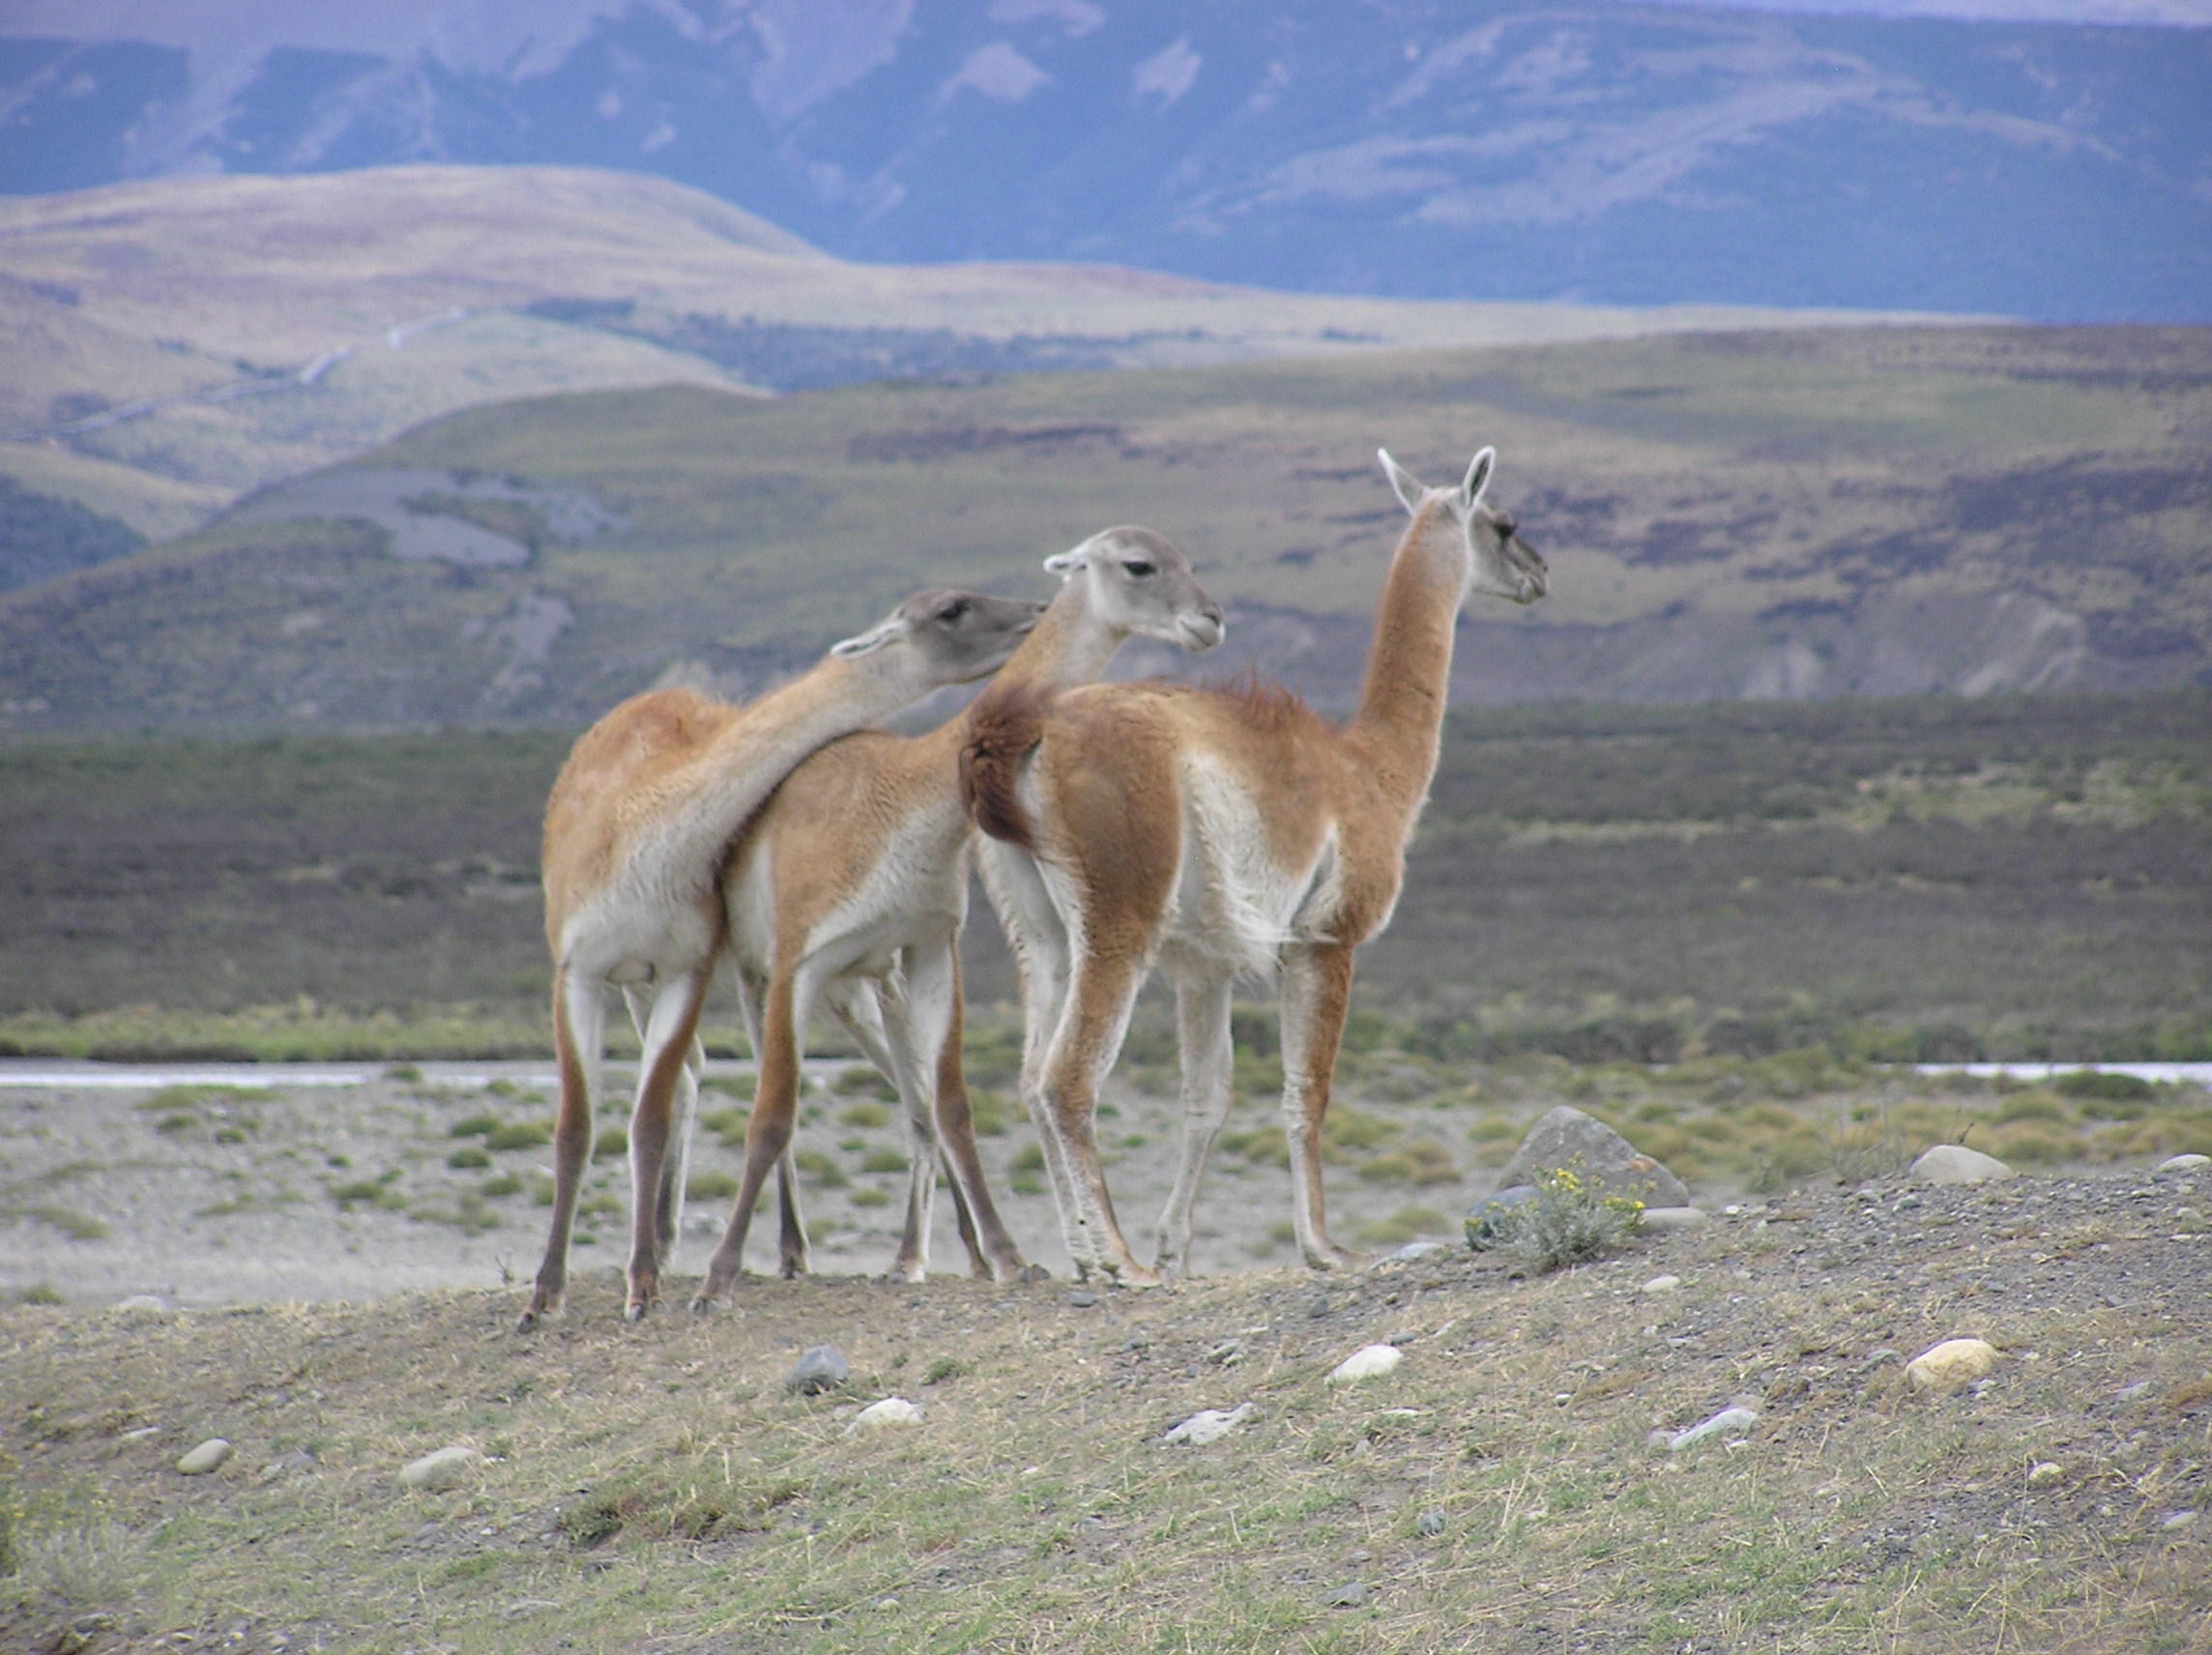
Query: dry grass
[654, 1488]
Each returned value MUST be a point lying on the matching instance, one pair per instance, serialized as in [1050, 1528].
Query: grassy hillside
[1869, 511]
[174, 344]
[656, 1488]
[1937, 878]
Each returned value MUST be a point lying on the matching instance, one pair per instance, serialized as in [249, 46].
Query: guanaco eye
[955, 610]
[1140, 568]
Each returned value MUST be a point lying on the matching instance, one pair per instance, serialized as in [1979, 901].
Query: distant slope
[1874, 511]
[1627, 154]
[168, 346]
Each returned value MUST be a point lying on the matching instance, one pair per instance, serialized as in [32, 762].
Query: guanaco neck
[733, 776]
[1400, 722]
[1069, 645]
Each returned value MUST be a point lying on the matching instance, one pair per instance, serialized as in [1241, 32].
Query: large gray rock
[823, 1368]
[1599, 1156]
[1956, 1163]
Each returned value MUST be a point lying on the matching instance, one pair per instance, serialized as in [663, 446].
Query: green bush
[728, 1124]
[2103, 1083]
[506, 1184]
[468, 1160]
[710, 1186]
[883, 1161]
[862, 1080]
[518, 1135]
[475, 1126]
[814, 1164]
[613, 1140]
[866, 1115]
[1567, 1223]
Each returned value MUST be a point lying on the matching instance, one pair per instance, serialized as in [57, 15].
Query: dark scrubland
[1874, 511]
[1933, 878]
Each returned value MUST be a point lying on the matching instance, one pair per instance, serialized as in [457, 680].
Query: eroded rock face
[1598, 1154]
[1956, 1163]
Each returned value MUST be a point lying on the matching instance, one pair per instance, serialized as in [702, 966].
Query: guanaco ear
[1477, 479]
[1064, 563]
[1408, 487]
[867, 643]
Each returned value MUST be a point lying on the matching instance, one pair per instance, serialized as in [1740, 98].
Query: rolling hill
[1618, 153]
[173, 344]
[1804, 513]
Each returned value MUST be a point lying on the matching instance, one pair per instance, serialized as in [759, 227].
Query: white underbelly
[1234, 908]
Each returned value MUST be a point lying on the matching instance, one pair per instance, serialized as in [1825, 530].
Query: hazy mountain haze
[2035, 162]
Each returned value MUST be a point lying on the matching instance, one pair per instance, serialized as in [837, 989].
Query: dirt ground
[654, 1488]
[232, 1196]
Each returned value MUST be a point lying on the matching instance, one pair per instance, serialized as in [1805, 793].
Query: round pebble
[823, 1368]
[1662, 1284]
[448, 1469]
[2044, 1474]
[880, 1415]
[1951, 1364]
[205, 1457]
[1369, 1362]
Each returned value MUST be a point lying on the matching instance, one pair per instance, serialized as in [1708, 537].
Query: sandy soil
[229, 1198]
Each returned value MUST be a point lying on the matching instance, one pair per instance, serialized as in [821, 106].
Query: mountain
[173, 344]
[1781, 513]
[1471, 149]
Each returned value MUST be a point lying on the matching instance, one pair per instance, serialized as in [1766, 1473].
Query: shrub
[732, 1086]
[864, 1114]
[862, 1080]
[2033, 1106]
[1262, 1146]
[883, 1161]
[2103, 1083]
[506, 1184]
[1566, 1223]
[475, 1126]
[468, 1160]
[710, 1186]
[613, 1140]
[518, 1135]
[867, 1194]
[990, 1112]
[943, 1369]
[729, 1125]
[814, 1164]
[1350, 1129]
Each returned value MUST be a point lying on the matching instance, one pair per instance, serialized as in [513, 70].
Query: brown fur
[1003, 726]
[1125, 777]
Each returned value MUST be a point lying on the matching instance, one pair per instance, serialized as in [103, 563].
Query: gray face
[964, 636]
[1143, 583]
[1510, 566]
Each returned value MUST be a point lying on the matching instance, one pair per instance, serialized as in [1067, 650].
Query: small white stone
[1661, 1219]
[879, 1415]
[1728, 1421]
[2179, 1520]
[1209, 1425]
[1369, 1362]
[2042, 1476]
[1954, 1362]
[1662, 1284]
[205, 1457]
[146, 1306]
[447, 1469]
[2182, 1163]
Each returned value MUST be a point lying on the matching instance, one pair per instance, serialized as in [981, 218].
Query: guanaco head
[943, 636]
[1139, 583]
[1503, 565]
